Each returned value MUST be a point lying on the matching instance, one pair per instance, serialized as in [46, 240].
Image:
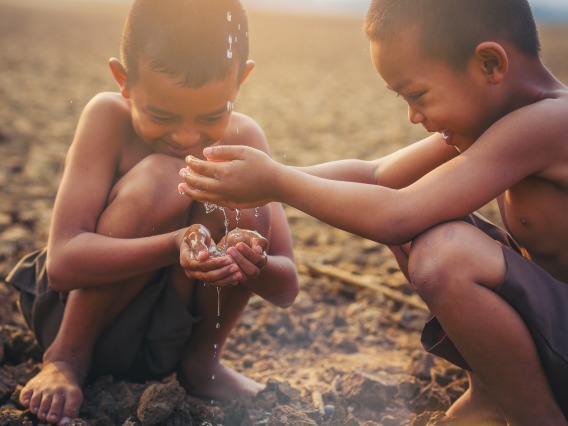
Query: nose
[415, 116]
[186, 135]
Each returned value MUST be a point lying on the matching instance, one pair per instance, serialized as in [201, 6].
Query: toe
[35, 402]
[56, 407]
[44, 407]
[25, 397]
[73, 402]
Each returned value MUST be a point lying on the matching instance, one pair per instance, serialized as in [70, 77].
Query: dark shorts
[540, 299]
[145, 342]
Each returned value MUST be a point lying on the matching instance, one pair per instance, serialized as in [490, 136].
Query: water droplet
[216, 345]
[229, 106]
[230, 39]
[229, 53]
[239, 27]
[213, 377]
[256, 212]
[218, 325]
[229, 16]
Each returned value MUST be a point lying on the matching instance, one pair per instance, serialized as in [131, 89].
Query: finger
[203, 196]
[209, 265]
[248, 261]
[259, 244]
[229, 281]
[201, 169]
[223, 153]
[225, 277]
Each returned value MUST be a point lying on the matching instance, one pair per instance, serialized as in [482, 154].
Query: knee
[150, 179]
[435, 258]
[147, 197]
[150, 188]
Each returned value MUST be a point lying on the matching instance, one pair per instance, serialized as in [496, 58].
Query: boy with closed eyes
[119, 289]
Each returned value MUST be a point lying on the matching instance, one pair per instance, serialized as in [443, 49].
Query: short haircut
[195, 41]
[451, 29]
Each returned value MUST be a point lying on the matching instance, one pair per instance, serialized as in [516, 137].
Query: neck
[530, 81]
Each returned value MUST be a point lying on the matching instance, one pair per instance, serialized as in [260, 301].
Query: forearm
[89, 259]
[277, 282]
[370, 211]
[344, 170]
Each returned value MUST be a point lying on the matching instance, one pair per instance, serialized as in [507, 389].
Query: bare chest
[535, 213]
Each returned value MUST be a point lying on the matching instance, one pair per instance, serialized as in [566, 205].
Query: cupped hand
[202, 260]
[233, 176]
[248, 249]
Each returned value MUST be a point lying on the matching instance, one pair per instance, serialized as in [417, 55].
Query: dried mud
[346, 353]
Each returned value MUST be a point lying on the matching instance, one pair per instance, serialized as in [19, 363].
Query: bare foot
[474, 408]
[220, 383]
[54, 394]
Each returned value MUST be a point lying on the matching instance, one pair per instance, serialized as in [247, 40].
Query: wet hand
[248, 249]
[202, 260]
[233, 176]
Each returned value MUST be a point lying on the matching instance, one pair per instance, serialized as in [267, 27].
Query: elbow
[395, 228]
[57, 275]
[286, 298]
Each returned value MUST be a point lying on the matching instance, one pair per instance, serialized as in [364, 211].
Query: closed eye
[213, 118]
[161, 120]
[415, 97]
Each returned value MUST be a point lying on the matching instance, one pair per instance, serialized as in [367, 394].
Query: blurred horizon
[546, 11]
[543, 10]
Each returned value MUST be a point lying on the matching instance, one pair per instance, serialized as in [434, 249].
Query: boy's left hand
[248, 249]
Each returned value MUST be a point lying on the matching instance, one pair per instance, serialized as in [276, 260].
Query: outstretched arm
[407, 199]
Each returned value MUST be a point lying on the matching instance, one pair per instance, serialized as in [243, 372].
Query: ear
[493, 61]
[120, 76]
[248, 68]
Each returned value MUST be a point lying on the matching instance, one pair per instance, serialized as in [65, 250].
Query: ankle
[78, 360]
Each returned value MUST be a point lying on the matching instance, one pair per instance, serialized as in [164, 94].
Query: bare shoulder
[244, 130]
[527, 141]
[104, 133]
[110, 105]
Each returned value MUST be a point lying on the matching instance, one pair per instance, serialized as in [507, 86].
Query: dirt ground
[347, 352]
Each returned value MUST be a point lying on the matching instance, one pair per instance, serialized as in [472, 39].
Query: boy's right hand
[232, 176]
[201, 259]
[199, 241]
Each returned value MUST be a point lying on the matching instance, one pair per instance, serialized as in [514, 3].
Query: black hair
[450, 30]
[195, 41]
